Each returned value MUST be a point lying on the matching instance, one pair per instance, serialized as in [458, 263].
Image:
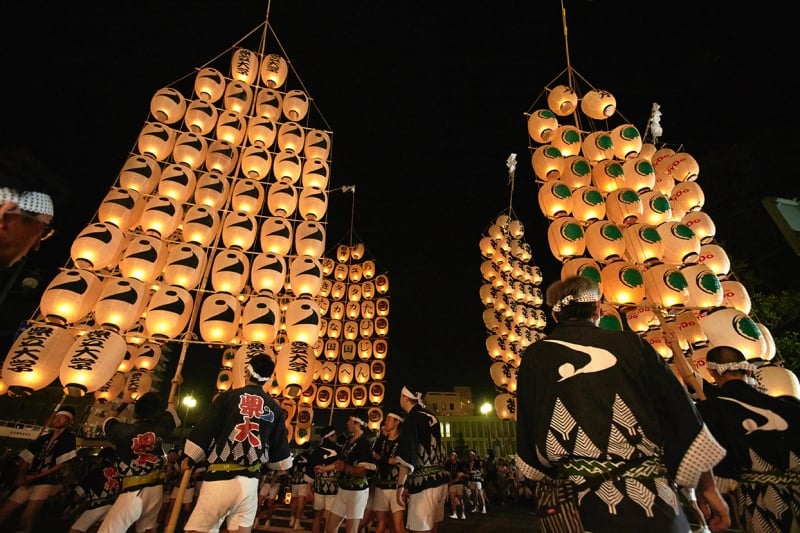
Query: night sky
[426, 100]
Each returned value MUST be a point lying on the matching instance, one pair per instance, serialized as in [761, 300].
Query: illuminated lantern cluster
[629, 215]
[512, 301]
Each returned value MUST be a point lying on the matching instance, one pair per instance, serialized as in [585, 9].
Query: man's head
[147, 405]
[64, 417]
[357, 422]
[726, 363]
[392, 421]
[576, 297]
[26, 205]
[260, 368]
[453, 457]
[328, 434]
[409, 397]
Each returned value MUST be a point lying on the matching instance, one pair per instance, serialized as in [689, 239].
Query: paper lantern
[567, 140]
[219, 317]
[701, 224]
[211, 190]
[97, 246]
[358, 395]
[244, 65]
[565, 237]
[639, 174]
[121, 207]
[282, 199]
[161, 216]
[655, 338]
[334, 328]
[294, 368]
[627, 142]
[147, 356]
[238, 97]
[313, 203]
[239, 230]
[291, 136]
[190, 150]
[769, 340]
[185, 265]
[641, 319]
[269, 103]
[209, 84]
[588, 204]
[261, 319]
[505, 405]
[222, 157]
[168, 105]
[731, 327]
[91, 361]
[324, 396]
[643, 244]
[689, 329]
[735, 295]
[562, 100]
[35, 357]
[778, 381]
[623, 283]
[356, 272]
[598, 104]
[273, 70]
[349, 346]
[354, 292]
[665, 285]
[309, 394]
[374, 418]
[577, 171]
[547, 163]
[199, 226]
[137, 384]
[224, 380]
[705, 289]
[331, 350]
[229, 271]
[655, 208]
[541, 124]
[256, 162]
[302, 321]
[681, 245]
[380, 348]
[140, 173]
[680, 166]
[501, 374]
[276, 235]
[604, 241]
[120, 303]
[582, 266]
[382, 286]
[624, 206]
[317, 148]
[201, 117]
[305, 418]
[268, 273]
[342, 397]
[177, 182]
[156, 140]
[608, 176]
[715, 258]
[305, 276]
[287, 167]
[70, 296]
[610, 318]
[168, 312]
[127, 362]
[111, 389]
[555, 199]
[598, 146]
[231, 127]
[309, 239]
[261, 132]
[315, 174]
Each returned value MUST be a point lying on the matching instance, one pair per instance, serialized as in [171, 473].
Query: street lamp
[486, 408]
[188, 402]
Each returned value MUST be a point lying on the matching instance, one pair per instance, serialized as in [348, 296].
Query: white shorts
[350, 504]
[138, 507]
[269, 490]
[386, 500]
[426, 508]
[300, 490]
[236, 499]
[90, 517]
[188, 494]
[35, 493]
[323, 502]
[477, 485]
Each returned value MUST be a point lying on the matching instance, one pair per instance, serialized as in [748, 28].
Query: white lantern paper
[34, 360]
[91, 361]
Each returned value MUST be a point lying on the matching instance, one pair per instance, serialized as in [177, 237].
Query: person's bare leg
[332, 523]
[29, 514]
[398, 524]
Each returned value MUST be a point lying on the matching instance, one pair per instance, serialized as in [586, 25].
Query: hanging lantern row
[511, 298]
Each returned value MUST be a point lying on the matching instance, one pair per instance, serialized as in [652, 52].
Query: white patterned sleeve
[702, 455]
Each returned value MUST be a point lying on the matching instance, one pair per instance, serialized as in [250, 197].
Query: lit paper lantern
[91, 361]
[582, 266]
[715, 258]
[261, 319]
[98, 246]
[374, 418]
[342, 397]
[156, 140]
[778, 381]
[639, 174]
[665, 285]
[598, 104]
[161, 216]
[643, 244]
[317, 148]
[731, 327]
[231, 127]
[734, 294]
[177, 182]
[305, 418]
[562, 100]
[608, 176]
[127, 362]
[610, 318]
[261, 131]
[200, 225]
[604, 241]
[168, 105]
[293, 368]
[244, 65]
[681, 245]
[622, 283]
[190, 150]
[380, 348]
[310, 393]
[316, 173]
[655, 338]
[597, 146]
[505, 405]
[185, 265]
[224, 380]
[111, 389]
[268, 273]
[705, 289]
[222, 157]
[211, 190]
[269, 104]
[256, 162]
[565, 237]
[313, 203]
[624, 206]
[287, 167]
[209, 84]
[305, 276]
[324, 396]
[701, 224]
[291, 136]
[147, 356]
[239, 230]
[555, 199]
[309, 239]
[229, 271]
[541, 124]
[137, 384]
[641, 319]
[681, 167]
[273, 69]
[547, 163]
[689, 329]
[655, 208]
[627, 141]
[303, 321]
[358, 395]
[219, 318]
[70, 296]
[567, 140]
[34, 360]
[121, 207]
[577, 171]
[588, 204]
[201, 117]
[120, 303]
[282, 199]
[168, 312]
[238, 97]
[140, 173]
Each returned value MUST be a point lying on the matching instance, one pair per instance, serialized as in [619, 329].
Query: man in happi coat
[326, 478]
[603, 409]
[761, 471]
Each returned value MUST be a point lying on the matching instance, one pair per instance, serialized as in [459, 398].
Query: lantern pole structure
[680, 361]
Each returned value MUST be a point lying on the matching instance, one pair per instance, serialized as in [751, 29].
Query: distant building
[464, 428]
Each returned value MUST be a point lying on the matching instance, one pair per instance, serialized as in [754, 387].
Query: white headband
[65, 413]
[414, 396]
[329, 434]
[395, 415]
[255, 374]
[721, 368]
[358, 420]
[34, 202]
[585, 296]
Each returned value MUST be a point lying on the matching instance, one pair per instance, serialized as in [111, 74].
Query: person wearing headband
[242, 432]
[389, 511]
[326, 479]
[42, 463]
[760, 474]
[355, 466]
[601, 412]
[27, 190]
[140, 462]
[422, 483]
